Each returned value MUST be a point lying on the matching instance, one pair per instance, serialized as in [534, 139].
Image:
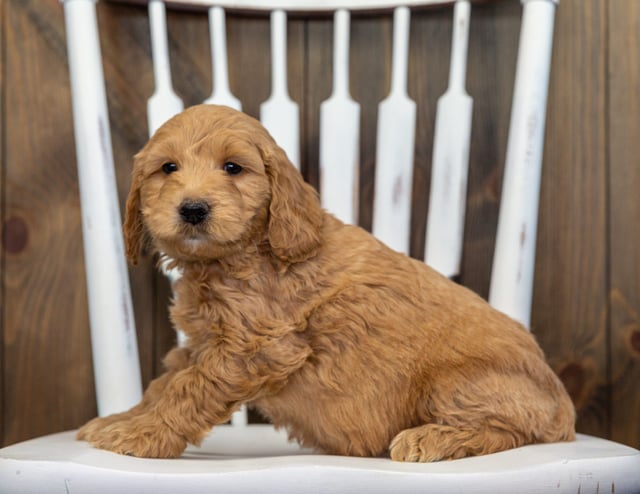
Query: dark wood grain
[493, 44]
[48, 377]
[370, 85]
[624, 221]
[570, 298]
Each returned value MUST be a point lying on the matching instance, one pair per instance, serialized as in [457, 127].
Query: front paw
[87, 431]
[145, 435]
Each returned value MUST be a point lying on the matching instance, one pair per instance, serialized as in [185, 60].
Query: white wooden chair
[249, 458]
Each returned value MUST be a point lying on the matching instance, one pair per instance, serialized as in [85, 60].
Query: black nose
[194, 212]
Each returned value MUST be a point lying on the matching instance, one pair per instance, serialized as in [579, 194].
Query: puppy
[355, 349]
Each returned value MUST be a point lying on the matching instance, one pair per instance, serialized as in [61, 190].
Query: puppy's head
[212, 181]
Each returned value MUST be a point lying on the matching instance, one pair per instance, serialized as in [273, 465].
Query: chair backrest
[112, 326]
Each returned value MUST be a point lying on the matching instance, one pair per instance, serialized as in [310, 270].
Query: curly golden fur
[355, 349]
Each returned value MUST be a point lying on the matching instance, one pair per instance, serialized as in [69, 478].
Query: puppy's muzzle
[194, 212]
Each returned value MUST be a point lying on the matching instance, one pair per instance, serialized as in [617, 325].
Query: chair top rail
[304, 6]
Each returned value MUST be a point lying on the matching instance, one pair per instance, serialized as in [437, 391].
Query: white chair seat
[259, 459]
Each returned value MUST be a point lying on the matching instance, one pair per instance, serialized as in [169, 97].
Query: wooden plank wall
[571, 294]
[586, 311]
[624, 218]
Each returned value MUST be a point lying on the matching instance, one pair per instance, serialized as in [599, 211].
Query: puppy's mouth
[194, 241]
[187, 242]
[193, 235]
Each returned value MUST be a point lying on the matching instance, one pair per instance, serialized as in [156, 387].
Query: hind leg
[435, 442]
[489, 413]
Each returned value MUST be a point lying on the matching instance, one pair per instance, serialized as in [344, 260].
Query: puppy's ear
[295, 215]
[133, 226]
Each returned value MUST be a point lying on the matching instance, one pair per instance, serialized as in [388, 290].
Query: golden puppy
[355, 349]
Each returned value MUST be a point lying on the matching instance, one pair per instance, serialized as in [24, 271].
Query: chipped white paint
[221, 94]
[340, 133]
[513, 263]
[449, 168]
[164, 103]
[280, 114]
[113, 334]
[395, 147]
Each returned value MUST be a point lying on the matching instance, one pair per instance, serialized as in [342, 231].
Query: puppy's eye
[169, 168]
[232, 168]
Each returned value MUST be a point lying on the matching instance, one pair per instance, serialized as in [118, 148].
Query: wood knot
[15, 235]
[577, 378]
[573, 378]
